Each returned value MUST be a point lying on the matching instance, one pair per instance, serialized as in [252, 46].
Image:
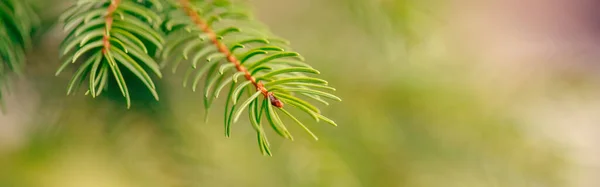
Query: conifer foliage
[107, 37]
[217, 43]
[236, 56]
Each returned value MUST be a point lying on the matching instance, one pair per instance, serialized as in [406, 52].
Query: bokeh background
[437, 93]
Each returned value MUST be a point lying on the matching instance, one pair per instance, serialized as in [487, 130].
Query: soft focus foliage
[17, 23]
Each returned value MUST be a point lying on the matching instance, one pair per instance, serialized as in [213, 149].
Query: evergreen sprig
[108, 37]
[223, 47]
[17, 23]
[232, 53]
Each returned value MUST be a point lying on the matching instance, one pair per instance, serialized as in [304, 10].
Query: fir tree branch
[221, 42]
[112, 36]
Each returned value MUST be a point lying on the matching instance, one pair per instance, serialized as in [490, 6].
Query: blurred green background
[426, 104]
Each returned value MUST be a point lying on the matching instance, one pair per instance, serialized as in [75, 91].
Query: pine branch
[233, 45]
[17, 23]
[110, 36]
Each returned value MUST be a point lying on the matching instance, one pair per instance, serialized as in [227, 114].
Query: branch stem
[109, 20]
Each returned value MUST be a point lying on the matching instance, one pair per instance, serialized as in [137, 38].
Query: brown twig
[109, 20]
[197, 19]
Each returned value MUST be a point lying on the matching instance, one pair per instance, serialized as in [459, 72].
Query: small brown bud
[274, 101]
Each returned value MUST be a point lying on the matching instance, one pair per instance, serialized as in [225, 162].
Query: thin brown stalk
[109, 20]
